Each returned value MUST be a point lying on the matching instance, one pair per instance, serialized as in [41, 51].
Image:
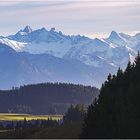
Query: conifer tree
[74, 114]
[116, 113]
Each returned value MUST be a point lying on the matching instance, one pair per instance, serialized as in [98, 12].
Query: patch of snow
[17, 46]
[132, 58]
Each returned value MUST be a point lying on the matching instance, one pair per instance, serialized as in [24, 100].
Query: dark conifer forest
[46, 98]
[74, 114]
[116, 113]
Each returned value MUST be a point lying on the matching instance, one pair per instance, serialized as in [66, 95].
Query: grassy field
[17, 117]
[68, 131]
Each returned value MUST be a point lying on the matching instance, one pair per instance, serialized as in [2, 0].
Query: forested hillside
[45, 98]
[116, 114]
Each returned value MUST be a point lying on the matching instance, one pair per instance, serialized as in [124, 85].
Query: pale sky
[93, 18]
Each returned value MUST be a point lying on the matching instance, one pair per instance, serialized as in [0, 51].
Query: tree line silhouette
[116, 113]
[45, 98]
[21, 129]
[74, 114]
[24, 124]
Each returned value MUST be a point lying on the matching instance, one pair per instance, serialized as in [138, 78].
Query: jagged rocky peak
[116, 38]
[27, 29]
[43, 29]
[60, 33]
[114, 35]
[137, 36]
[97, 39]
[52, 29]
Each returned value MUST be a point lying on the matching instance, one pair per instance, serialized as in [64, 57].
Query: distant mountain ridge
[47, 55]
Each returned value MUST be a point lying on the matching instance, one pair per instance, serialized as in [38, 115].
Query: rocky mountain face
[34, 56]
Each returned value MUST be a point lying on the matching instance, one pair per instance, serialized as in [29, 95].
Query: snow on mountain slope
[19, 68]
[17, 46]
[43, 41]
[114, 50]
[91, 58]
[116, 39]
[56, 49]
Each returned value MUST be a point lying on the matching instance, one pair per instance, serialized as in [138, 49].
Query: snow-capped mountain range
[42, 55]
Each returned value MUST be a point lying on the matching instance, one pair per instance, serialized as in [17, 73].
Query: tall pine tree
[116, 113]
